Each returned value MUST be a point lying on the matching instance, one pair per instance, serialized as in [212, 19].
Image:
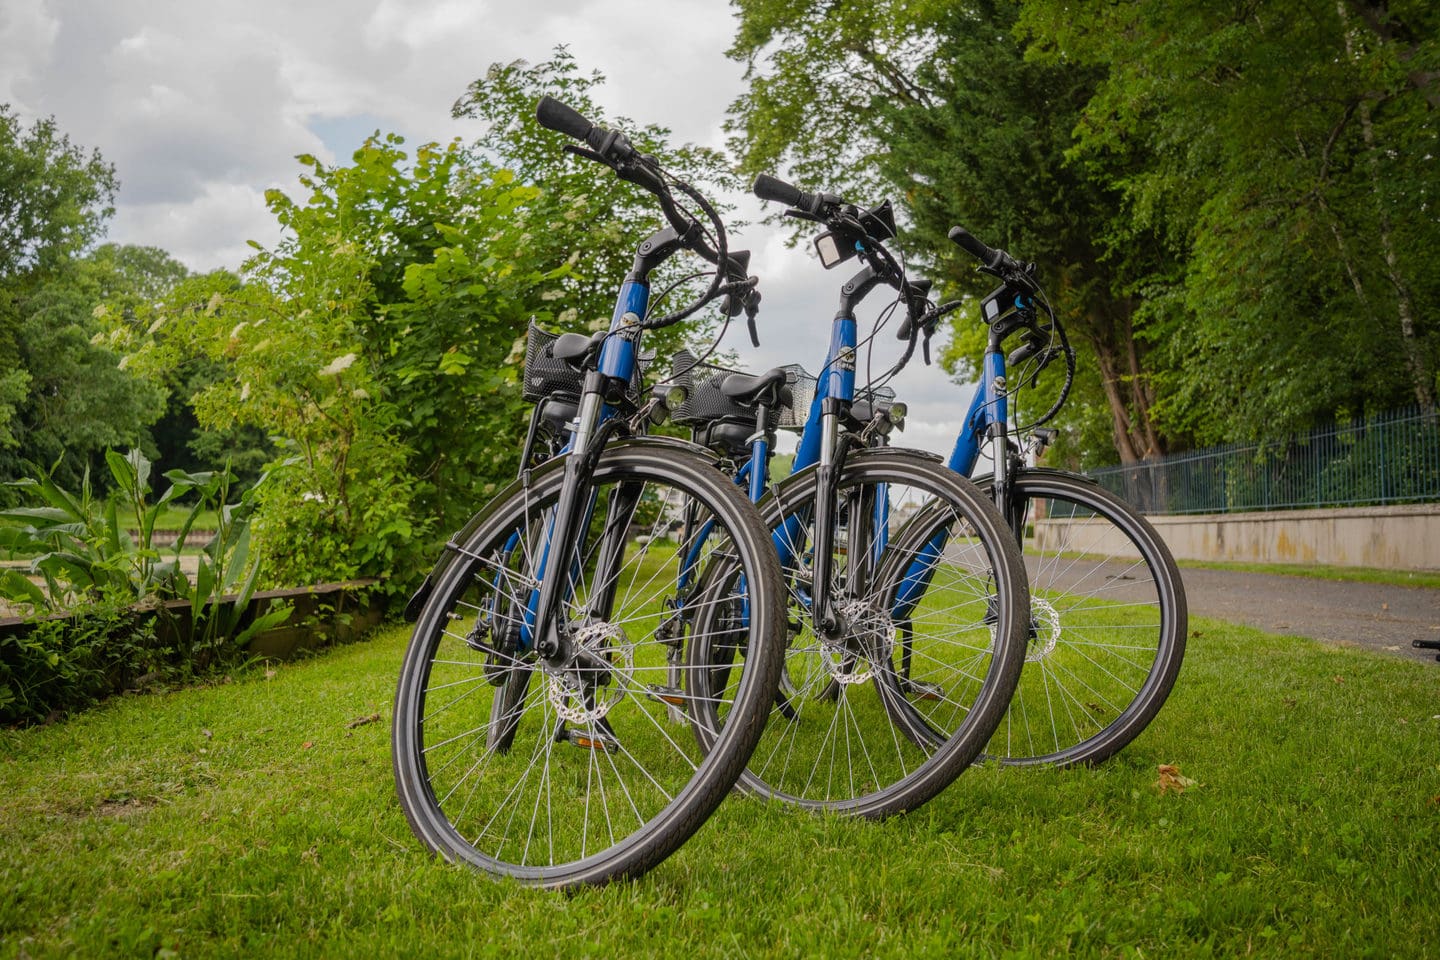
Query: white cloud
[203, 106]
[27, 33]
[206, 231]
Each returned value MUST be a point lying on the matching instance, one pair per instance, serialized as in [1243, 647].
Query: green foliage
[64, 664]
[1287, 154]
[378, 343]
[55, 197]
[1231, 204]
[56, 390]
[84, 550]
[93, 552]
[938, 103]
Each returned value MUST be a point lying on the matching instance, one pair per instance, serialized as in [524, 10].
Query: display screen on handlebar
[1002, 303]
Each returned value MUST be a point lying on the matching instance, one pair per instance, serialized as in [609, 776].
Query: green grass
[1402, 578]
[251, 818]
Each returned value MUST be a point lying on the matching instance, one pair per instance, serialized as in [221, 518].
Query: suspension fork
[833, 448]
[562, 539]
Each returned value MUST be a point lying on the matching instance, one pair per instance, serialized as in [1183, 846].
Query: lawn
[257, 817]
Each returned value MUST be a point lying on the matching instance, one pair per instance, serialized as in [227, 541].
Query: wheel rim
[1107, 620]
[585, 771]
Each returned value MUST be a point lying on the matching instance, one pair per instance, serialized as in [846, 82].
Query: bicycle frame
[594, 421]
[819, 447]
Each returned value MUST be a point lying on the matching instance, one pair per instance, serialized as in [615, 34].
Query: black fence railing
[1383, 459]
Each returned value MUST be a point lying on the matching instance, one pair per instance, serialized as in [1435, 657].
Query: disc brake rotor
[871, 636]
[584, 691]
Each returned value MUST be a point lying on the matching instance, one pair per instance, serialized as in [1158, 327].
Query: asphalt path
[1374, 616]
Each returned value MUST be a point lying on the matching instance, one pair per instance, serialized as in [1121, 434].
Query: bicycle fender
[984, 480]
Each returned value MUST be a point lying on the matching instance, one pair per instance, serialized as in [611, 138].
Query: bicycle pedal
[591, 741]
[673, 696]
[918, 690]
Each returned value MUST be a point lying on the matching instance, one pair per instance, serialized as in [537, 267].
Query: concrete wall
[1396, 538]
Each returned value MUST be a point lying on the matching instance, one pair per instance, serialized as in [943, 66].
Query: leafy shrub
[64, 664]
[92, 565]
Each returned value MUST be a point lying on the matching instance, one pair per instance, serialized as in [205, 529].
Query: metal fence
[1388, 458]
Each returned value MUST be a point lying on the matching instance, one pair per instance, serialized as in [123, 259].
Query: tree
[54, 200]
[155, 287]
[1288, 153]
[940, 103]
[63, 397]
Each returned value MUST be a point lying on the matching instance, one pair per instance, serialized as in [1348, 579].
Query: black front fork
[827, 480]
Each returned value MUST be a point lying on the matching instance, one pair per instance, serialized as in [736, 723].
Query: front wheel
[1107, 624]
[567, 770]
[843, 732]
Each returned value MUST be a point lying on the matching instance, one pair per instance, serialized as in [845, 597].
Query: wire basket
[705, 404]
[549, 379]
[544, 375]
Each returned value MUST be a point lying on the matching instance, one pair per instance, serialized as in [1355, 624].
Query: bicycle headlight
[897, 414]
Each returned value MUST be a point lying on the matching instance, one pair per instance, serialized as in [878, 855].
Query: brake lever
[587, 153]
[804, 215]
[752, 307]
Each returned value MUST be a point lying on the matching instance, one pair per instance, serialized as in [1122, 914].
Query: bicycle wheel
[565, 772]
[839, 735]
[1108, 624]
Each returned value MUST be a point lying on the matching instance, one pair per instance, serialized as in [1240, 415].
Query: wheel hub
[585, 689]
[1044, 630]
[869, 635]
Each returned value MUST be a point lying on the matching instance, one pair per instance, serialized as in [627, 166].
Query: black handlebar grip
[554, 115]
[767, 187]
[972, 245]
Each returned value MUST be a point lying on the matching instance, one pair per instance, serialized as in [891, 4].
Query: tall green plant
[99, 552]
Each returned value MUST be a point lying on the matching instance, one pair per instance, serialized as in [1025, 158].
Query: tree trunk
[1116, 395]
[1420, 374]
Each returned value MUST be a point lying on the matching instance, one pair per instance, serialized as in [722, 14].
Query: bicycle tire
[594, 787]
[883, 769]
[1108, 631]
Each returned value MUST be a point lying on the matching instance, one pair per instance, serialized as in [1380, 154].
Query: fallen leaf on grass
[1338, 679]
[361, 721]
[307, 744]
[1171, 779]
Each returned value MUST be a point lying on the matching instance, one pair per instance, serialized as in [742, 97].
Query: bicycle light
[897, 414]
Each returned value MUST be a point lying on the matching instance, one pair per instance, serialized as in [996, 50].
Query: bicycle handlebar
[614, 149]
[767, 187]
[994, 260]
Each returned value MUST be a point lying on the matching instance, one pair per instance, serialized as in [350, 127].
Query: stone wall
[1394, 537]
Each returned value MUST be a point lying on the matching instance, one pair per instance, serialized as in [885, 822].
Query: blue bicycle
[850, 731]
[1107, 619]
[531, 724]
[1108, 614]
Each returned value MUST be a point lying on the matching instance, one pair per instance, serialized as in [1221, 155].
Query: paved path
[1370, 615]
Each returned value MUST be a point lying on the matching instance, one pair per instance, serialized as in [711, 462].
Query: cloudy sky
[202, 105]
